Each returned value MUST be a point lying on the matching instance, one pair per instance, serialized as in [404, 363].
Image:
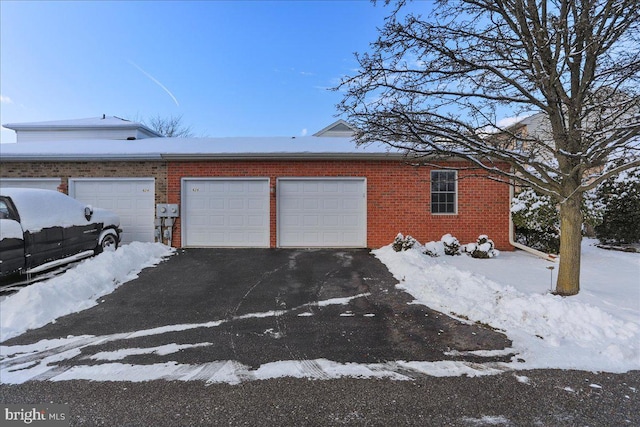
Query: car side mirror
[88, 213]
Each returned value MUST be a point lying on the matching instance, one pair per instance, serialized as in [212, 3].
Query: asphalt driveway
[252, 307]
[269, 305]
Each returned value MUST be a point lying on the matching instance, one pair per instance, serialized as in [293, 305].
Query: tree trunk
[570, 241]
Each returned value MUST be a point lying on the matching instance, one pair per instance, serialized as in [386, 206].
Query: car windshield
[4, 210]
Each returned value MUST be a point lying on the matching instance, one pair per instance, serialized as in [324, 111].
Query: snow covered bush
[402, 243]
[536, 220]
[483, 248]
[592, 212]
[433, 249]
[451, 245]
[620, 197]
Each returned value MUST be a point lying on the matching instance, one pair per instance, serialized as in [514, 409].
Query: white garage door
[225, 212]
[133, 199]
[44, 183]
[323, 212]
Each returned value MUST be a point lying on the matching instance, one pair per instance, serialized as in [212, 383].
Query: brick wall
[398, 196]
[66, 170]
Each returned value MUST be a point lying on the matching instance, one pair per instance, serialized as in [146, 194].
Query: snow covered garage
[312, 191]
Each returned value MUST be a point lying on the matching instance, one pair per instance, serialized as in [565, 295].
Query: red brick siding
[398, 196]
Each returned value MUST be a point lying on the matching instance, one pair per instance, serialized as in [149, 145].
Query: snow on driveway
[77, 289]
[598, 330]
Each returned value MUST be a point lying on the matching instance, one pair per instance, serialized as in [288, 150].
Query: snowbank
[77, 289]
[598, 331]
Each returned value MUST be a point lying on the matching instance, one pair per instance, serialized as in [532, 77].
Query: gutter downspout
[512, 242]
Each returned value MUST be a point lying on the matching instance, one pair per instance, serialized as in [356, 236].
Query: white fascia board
[283, 156]
[92, 123]
[77, 157]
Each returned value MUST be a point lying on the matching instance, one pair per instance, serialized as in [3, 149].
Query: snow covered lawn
[597, 330]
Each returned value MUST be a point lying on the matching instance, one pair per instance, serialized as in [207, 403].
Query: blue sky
[230, 68]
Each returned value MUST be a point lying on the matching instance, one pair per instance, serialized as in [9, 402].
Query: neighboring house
[312, 191]
[532, 135]
[529, 136]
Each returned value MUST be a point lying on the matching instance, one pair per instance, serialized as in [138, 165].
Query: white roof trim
[104, 122]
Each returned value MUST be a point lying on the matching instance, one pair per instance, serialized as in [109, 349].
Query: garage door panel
[287, 220]
[237, 204]
[288, 204]
[254, 187]
[310, 220]
[213, 220]
[331, 204]
[331, 220]
[256, 221]
[330, 187]
[323, 212]
[236, 221]
[133, 199]
[215, 204]
[254, 238]
[254, 203]
[237, 187]
[237, 212]
[350, 220]
[126, 204]
[351, 187]
[312, 237]
[310, 204]
[351, 205]
[310, 187]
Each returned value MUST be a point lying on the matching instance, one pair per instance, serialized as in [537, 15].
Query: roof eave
[79, 157]
[283, 156]
[59, 128]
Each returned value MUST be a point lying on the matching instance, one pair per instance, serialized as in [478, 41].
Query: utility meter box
[167, 210]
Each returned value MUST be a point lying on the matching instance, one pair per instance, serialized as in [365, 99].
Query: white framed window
[444, 192]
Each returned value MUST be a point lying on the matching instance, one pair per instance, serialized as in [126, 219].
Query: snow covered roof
[532, 120]
[308, 147]
[92, 123]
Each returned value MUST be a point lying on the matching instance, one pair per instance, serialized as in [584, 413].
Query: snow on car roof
[39, 208]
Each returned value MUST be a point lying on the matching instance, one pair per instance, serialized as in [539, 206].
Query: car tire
[108, 243]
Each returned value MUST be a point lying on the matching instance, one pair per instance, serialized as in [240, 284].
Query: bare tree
[437, 85]
[171, 126]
